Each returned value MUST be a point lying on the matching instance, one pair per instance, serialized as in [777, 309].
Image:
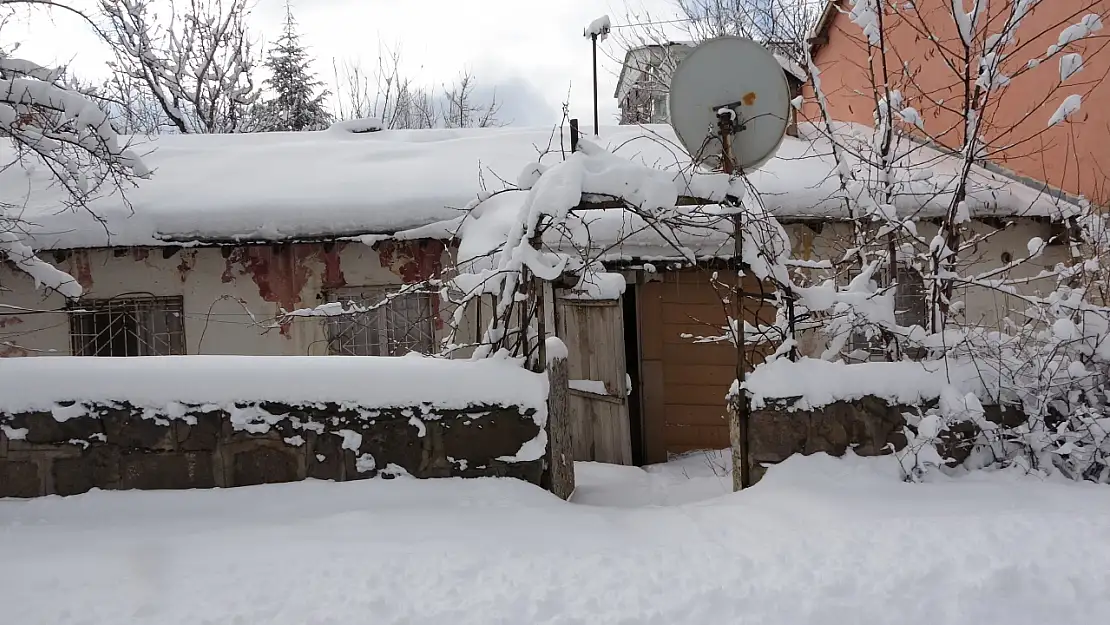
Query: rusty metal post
[739, 430]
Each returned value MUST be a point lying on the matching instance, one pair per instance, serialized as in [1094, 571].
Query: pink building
[924, 59]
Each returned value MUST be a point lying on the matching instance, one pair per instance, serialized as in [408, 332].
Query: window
[148, 326]
[406, 324]
[659, 109]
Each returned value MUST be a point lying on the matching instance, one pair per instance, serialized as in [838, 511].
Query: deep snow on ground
[819, 540]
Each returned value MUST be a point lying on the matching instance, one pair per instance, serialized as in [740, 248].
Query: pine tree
[297, 105]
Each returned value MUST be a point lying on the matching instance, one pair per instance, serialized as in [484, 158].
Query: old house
[233, 229]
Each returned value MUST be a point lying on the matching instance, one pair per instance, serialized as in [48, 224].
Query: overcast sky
[532, 51]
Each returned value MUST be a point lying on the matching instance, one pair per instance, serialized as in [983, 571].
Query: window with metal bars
[127, 326]
[405, 324]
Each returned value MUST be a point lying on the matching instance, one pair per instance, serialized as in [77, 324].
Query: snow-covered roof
[329, 184]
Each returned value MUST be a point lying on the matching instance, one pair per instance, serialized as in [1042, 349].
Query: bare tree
[385, 93]
[461, 110]
[50, 122]
[196, 63]
[400, 102]
[781, 25]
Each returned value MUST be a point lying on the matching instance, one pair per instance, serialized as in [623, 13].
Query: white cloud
[531, 50]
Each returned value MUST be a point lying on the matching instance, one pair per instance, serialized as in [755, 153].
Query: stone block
[480, 440]
[204, 435]
[391, 439]
[43, 428]
[776, 435]
[326, 446]
[20, 479]
[154, 471]
[97, 467]
[128, 429]
[264, 464]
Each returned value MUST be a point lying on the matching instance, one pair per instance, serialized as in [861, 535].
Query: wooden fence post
[559, 474]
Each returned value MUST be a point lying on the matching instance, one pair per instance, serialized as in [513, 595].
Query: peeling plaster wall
[982, 306]
[216, 284]
[265, 278]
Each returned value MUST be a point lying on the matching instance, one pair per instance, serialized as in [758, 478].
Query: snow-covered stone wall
[68, 425]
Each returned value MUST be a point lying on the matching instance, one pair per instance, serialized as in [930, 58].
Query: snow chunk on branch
[43, 273]
[1070, 64]
[1089, 25]
[1066, 109]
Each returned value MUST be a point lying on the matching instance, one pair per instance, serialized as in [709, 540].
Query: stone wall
[869, 426]
[121, 447]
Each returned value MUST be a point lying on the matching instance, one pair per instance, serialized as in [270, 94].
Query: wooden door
[593, 331]
[684, 382]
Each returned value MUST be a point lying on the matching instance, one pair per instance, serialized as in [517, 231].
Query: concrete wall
[219, 286]
[1073, 156]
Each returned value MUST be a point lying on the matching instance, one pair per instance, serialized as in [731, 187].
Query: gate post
[559, 470]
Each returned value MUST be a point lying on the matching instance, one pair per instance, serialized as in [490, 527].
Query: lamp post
[598, 28]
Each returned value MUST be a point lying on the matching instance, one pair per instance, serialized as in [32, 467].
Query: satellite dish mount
[730, 104]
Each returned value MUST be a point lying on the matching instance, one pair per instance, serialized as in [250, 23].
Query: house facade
[1072, 155]
[208, 268]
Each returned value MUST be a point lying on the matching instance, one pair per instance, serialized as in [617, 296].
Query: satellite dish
[730, 74]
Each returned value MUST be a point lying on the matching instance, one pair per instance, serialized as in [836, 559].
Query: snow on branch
[55, 125]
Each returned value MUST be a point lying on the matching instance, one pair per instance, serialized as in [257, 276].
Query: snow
[1070, 64]
[812, 383]
[31, 384]
[597, 387]
[14, 434]
[43, 273]
[598, 28]
[819, 541]
[1089, 25]
[358, 126]
[305, 185]
[1067, 108]
[597, 285]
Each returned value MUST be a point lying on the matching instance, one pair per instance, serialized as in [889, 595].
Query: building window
[147, 326]
[659, 109]
[405, 324]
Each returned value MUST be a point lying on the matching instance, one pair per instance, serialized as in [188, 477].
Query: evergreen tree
[297, 105]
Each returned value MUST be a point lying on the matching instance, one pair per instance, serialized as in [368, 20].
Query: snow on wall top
[37, 384]
[811, 383]
[286, 186]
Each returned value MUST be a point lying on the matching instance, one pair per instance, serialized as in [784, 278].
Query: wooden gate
[593, 331]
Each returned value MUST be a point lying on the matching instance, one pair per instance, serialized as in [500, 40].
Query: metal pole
[593, 37]
[739, 431]
[574, 135]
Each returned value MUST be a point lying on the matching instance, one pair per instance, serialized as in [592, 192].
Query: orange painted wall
[1074, 155]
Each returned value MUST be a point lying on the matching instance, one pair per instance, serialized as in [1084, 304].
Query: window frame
[378, 335]
[91, 320]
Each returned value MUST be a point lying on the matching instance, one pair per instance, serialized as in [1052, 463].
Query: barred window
[147, 326]
[406, 324]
